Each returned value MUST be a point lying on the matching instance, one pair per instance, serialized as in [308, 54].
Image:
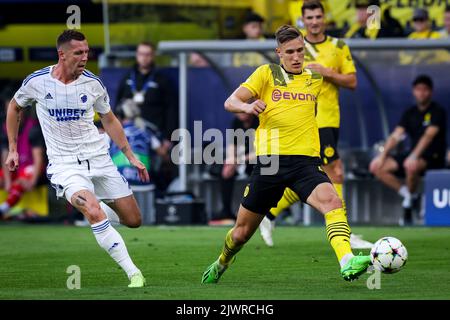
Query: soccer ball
[388, 255]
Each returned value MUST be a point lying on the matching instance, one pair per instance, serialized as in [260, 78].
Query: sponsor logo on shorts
[277, 95]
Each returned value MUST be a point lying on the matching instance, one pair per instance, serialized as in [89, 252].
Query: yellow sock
[339, 190]
[289, 198]
[229, 250]
[338, 232]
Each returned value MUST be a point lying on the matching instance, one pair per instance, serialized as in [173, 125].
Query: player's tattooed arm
[80, 201]
[114, 129]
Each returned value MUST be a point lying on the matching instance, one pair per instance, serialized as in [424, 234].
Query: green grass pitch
[302, 265]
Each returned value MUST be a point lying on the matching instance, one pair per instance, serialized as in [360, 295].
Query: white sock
[346, 259]
[404, 191]
[110, 213]
[4, 207]
[110, 240]
[407, 197]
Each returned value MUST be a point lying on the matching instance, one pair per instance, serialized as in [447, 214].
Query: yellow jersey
[288, 125]
[427, 34]
[414, 57]
[331, 53]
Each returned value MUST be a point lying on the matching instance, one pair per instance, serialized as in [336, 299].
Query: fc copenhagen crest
[83, 97]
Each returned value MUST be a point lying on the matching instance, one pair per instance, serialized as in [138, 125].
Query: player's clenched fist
[256, 107]
[12, 161]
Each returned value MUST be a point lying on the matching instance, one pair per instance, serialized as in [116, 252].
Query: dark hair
[253, 17]
[287, 33]
[68, 35]
[447, 8]
[147, 44]
[423, 79]
[312, 5]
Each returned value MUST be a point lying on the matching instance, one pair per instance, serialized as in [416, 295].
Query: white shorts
[99, 175]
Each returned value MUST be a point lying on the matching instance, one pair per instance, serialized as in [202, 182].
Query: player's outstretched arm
[114, 129]
[13, 116]
[237, 102]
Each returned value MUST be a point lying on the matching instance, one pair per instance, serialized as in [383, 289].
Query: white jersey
[66, 113]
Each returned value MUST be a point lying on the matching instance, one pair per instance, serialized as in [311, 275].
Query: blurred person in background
[389, 26]
[32, 162]
[425, 125]
[422, 26]
[359, 29]
[236, 162]
[197, 60]
[445, 32]
[151, 90]
[144, 140]
[253, 29]
[422, 31]
[157, 99]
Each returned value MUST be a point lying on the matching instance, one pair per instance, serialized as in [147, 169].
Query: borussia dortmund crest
[329, 151]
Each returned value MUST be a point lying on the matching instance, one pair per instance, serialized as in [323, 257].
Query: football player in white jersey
[80, 168]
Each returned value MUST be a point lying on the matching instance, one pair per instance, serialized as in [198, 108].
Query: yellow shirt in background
[427, 34]
[424, 56]
[331, 53]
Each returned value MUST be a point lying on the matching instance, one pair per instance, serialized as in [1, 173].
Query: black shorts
[432, 163]
[329, 138]
[300, 173]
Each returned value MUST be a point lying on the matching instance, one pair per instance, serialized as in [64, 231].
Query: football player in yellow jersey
[331, 58]
[284, 98]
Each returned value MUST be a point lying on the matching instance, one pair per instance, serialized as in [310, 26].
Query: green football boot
[215, 271]
[355, 267]
[137, 280]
